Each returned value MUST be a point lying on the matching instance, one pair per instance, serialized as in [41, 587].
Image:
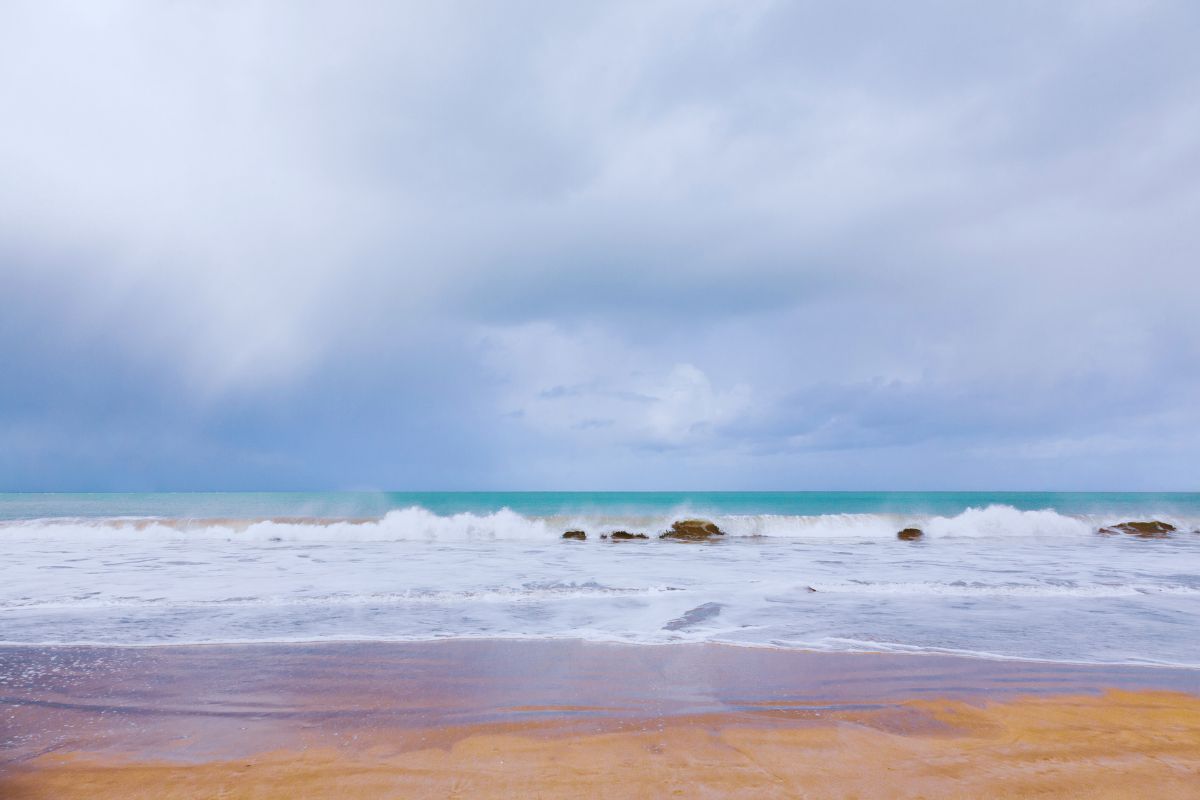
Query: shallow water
[1015, 576]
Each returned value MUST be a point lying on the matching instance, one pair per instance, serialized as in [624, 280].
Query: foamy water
[991, 579]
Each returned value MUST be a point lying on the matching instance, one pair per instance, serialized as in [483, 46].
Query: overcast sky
[735, 245]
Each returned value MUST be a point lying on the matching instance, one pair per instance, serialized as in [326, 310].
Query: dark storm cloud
[666, 244]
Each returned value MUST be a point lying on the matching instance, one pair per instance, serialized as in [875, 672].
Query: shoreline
[800, 649]
[572, 718]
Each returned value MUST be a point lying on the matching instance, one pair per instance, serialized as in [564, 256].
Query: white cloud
[588, 386]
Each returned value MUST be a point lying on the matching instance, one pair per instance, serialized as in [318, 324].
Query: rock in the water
[694, 616]
[693, 530]
[1153, 529]
[910, 534]
[575, 535]
[628, 535]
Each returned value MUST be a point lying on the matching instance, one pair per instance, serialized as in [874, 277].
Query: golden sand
[1117, 745]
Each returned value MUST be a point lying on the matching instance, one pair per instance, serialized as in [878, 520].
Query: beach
[866, 645]
[497, 718]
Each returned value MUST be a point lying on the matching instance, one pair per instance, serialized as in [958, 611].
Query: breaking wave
[419, 524]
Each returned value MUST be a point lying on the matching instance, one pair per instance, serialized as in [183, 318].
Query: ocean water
[1000, 575]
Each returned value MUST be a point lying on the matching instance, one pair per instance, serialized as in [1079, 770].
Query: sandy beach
[573, 719]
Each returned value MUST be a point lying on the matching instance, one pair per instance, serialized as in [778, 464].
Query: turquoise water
[376, 504]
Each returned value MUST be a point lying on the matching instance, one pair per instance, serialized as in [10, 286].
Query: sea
[995, 575]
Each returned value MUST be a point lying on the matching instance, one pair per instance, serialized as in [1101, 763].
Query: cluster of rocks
[687, 530]
[700, 530]
[1149, 529]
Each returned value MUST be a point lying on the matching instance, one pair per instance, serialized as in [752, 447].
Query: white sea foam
[975, 589]
[529, 593]
[994, 580]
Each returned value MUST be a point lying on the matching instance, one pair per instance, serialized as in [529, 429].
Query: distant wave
[419, 524]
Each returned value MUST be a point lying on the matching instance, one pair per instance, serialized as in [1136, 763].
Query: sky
[643, 245]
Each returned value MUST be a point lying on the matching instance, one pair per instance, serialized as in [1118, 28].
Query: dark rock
[628, 535]
[810, 590]
[693, 530]
[1147, 530]
[575, 535]
[910, 534]
[694, 616]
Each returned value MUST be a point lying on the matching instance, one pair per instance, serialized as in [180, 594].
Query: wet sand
[572, 719]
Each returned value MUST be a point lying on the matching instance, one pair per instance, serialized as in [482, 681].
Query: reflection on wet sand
[566, 719]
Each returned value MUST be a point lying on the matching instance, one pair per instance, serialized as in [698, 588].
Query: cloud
[758, 235]
[611, 394]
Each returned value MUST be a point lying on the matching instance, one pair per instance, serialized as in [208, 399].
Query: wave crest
[419, 524]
